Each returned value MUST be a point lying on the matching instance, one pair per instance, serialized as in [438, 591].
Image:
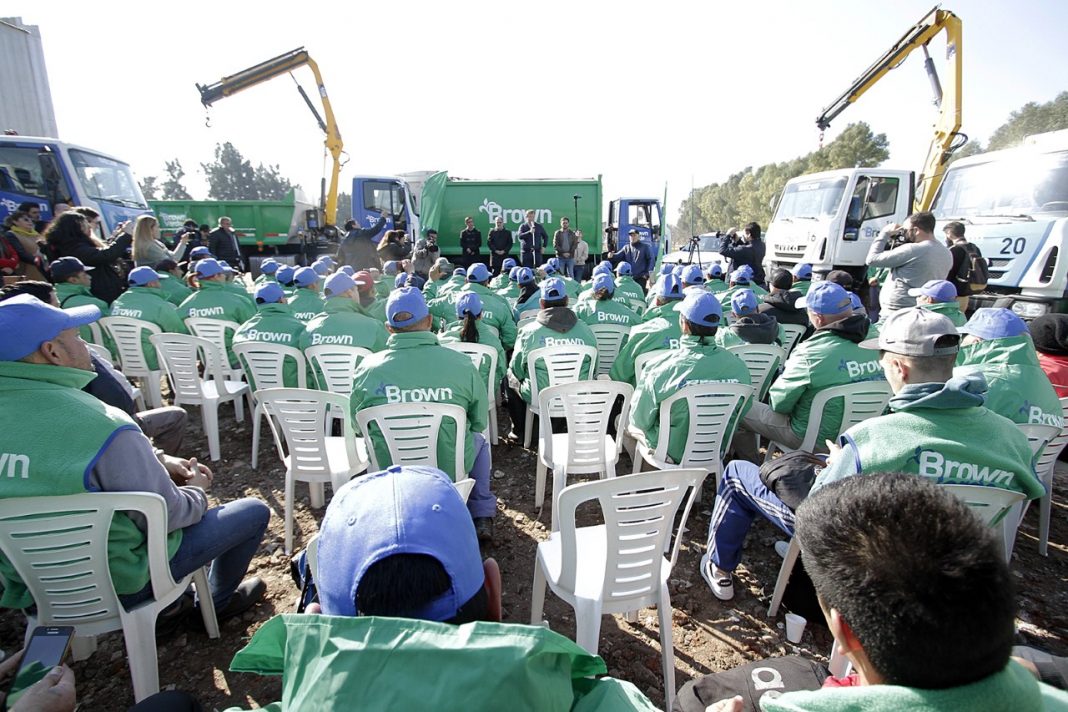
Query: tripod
[695, 244]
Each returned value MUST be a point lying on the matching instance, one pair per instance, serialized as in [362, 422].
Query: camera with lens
[897, 238]
[695, 240]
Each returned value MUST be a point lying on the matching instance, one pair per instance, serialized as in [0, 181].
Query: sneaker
[484, 530]
[720, 582]
[249, 592]
[782, 548]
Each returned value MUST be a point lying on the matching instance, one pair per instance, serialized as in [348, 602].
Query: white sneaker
[720, 582]
[782, 548]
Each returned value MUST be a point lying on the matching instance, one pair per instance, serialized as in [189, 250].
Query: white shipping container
[27, 104]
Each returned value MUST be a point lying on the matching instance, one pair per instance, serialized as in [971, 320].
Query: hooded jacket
[275, 324]
[555, 326]
[495, 310]
[173, 289]
[1018, 387]
[757, 329]
[654, 335]
[830, 357]
[943, 432]
[694, 363]
[306, 304]
[782, 306]
[950, 310]
[668, 310]
[607, 311]
[148, 304]
[72, 295]
[342, 324]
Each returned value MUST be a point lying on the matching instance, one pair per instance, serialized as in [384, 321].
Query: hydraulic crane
[947, 137]
[282, 64]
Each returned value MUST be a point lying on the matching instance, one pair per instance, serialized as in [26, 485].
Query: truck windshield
[1031, 183]
[811, 199]
[107, 179]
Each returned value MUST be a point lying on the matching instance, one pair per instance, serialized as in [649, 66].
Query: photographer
[745, 249]
[426, 253]
[913, 257]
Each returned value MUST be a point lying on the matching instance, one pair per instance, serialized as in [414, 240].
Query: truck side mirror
[856, 206]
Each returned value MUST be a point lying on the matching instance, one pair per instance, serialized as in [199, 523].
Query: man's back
[911, 266]
[656, 334]
[275, 324]
[1018, 387]
[782, 306]
[148, 304]
[557, 326]
[342, 324]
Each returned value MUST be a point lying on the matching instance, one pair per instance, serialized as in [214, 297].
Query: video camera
[897, 238]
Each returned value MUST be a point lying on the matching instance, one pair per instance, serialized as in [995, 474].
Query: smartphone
[47, 648]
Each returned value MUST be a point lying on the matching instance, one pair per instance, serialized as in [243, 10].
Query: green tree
[344, 208]
[1031, 118]
[148, 187]
[232, 177]
[172, 188]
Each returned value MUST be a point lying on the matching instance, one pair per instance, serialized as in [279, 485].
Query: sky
[645, 94]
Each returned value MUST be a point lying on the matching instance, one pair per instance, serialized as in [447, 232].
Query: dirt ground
[709, 635]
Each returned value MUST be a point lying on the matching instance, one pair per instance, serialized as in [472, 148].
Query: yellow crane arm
[276, 66]
[947, 126]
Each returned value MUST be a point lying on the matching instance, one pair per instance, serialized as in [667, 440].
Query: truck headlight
[1029, 310]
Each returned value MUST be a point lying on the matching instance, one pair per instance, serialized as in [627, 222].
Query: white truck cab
[830, 219]
[1014, 206]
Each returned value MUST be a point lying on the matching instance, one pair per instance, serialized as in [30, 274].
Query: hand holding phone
[47, 648]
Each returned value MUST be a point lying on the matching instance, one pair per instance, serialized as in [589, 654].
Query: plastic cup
[795, 627]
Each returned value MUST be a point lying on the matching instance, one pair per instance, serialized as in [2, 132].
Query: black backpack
[973, 269]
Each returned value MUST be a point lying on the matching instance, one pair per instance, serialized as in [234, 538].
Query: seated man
[627, 286]
[307, 302]
[405, 590]
[213, 300]
[341, 321]
[415, 367]
[368, 305]
[781, 303]
[692, 277]
[495, 310]
[741, 278]
[43, 364]
[658, 333]
[802, 277]
[144, 301]
[602, 308]
[71, 280]
[748, 325]
[274, 323]
[998, 344]
[940, 296]
[939, 430]
[830, 357]
[716, 278]
[698, 360]
[891, 597]
[172, 282]
[268, 268]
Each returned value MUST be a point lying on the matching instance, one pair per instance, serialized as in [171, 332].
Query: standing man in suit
[532, 240]
[223, 244]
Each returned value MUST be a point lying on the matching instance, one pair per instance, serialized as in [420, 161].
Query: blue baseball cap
[803, 271]
[348, 269]
[400, 280]
[994, 323]
[512, 273]
[744, 302]
[208, 267]
[525, 275]
[938, 289]
[742, 275]
[390, 268]
[623, 268]
[478, 273]
[405, 306]
[327, 259]
[305, 277]
[66, 267]
[700, 307]
[677, 270]
[200, 251]
[508, 263]
[553, 289]
[269, 293]
[459, 272]
[140, 276]
[604, 281]
[666, 268]
[716, 270]
[402, 510]
[269, 266]
[670, 287]
[339, 283]
[285, 273]
[26, 322]
[692, 275]
[321, 268]
[826, 298]
[468, 303]
[604, 266]
[548, 268]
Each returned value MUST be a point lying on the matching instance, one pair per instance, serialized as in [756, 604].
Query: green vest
[950, 310]
[535, 335]
[415, 368]
[715, 286]
[485, 337]
[306, 304]
[509, 292]
[275, 324]
[1018, 387]
[608, 311]
[75, 295]
[148, 304]
[37, 402]
[173, 289]
[376, 310]
[659, 333]
[430, 289]
[238, 289]
[693, 363]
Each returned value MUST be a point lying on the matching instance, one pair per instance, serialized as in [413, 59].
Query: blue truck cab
[642, 214]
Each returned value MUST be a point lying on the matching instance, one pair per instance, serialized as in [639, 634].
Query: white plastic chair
[59, 547]
[714, 409]
[333, 366]
[1039, 437]
[264, 366]
[104, 355]
[126, 333]
[96, 334]
[586, 447]
[563, 364]
[305, 447]
[863, 400]
[179, 354]
[215, 330]
[619, 566]
[411, 432]
[479, 354]
[101, 353]
[1044, 467]
[642, 359]
[610, 340]
[793, 334]
[763, 362]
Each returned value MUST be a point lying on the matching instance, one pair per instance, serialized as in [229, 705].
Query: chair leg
[539, 484]
[588, 624]
[209, 412]
[784, 578]
[559, 482]
[637, 459]
[155, 390]
[493, 423]
[239, 409]
[257, 416]
[528, 425]
[537, 595]
[316, 494]
[289, 512]
[667, 646]
[139, 630]
[207, 604]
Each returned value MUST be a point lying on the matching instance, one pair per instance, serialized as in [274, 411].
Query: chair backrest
[180, 355]
[793, 334]
[59, 547]
[639, 513]
[989, 503]
[1039, 435]
[301, 416]
[763, 362]
[101, 353]
[410, 431]
[610, 338]
[712, 407]
[479, 354]
[863, 400]
[97, 335]
[1048, 459]
[642, 359]
[587, 407]
[264, 363]
[633, 303]
[126, 333]
[563, 364]
[214, 330]
[334, 365]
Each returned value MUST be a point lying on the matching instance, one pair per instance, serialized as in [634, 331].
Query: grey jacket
[911, 266]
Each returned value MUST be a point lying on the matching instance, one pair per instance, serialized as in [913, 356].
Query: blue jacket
[532, 239]
[640, 257]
